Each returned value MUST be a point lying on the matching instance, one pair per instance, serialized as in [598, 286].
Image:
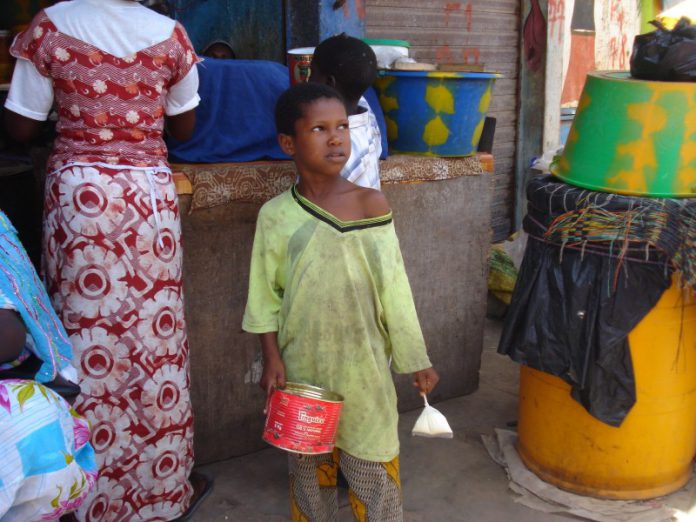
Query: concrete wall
[444, 229]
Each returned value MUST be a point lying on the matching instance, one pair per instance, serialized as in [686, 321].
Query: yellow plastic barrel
[651, 453]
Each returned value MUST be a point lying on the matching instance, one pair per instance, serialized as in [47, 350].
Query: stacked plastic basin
[636, 138]
[632, 137]
[434, 113]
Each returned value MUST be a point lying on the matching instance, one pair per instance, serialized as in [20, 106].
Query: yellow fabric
[502, 274]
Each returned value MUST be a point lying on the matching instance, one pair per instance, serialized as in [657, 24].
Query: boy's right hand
[273, 374]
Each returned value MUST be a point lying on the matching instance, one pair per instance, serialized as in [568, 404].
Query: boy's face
[321, 143]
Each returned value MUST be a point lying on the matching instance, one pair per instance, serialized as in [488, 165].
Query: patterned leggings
[374, 488]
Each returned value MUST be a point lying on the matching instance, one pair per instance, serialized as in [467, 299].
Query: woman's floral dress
[112, 256]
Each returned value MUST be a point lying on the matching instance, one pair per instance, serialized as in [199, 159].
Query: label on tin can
[301, 424]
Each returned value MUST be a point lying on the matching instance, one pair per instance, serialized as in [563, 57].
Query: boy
[349, 65]
[329, 296]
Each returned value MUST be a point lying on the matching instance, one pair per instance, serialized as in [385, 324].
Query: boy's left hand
[426, 380]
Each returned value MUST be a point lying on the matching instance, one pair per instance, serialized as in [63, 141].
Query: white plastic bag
[431, 423]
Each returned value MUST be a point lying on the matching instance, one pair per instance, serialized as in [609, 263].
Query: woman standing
[112, 242]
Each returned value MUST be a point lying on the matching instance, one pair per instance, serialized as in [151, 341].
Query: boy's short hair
[350, 61]
[290, 106]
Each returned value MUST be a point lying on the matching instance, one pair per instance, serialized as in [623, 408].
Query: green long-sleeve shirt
[338, 296]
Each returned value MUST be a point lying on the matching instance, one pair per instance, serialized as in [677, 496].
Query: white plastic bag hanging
[431, 423]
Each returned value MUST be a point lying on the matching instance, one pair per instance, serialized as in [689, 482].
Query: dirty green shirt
[338, 296]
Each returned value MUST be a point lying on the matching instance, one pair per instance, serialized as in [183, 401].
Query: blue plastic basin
[434, 113]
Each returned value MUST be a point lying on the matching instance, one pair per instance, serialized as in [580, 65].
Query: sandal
[202, 484]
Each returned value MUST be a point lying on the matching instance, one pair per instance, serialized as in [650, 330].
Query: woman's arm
[20, 128]
[180, 127]
[13, 336]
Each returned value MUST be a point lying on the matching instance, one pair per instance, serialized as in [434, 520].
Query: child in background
[350, 66]
[330, 298]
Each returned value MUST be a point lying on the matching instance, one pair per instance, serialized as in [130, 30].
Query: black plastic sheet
[573, 308]
[665, 55]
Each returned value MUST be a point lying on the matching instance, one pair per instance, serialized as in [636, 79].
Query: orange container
[651, 453]
[303, 419]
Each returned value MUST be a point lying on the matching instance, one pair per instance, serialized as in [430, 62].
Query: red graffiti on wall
[449, 9]
[468, 16]
[456, 7]
[556, 19]
[443, 54]
[617, 51]
[617, 44]
[360, 9]
[472, 52]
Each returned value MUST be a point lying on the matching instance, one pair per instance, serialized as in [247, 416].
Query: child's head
[291, 105]
[313, 128]
[346, 63]
[219, 49]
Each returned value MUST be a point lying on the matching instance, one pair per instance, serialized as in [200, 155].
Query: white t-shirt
[114, 26]
[362, 168]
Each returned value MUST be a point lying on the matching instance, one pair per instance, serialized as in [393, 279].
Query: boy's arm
[408, 351]
[273, 367]
[426, 380]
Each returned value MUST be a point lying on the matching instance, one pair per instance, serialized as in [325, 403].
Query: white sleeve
[31, 94]
[376, 132]
[183, 96]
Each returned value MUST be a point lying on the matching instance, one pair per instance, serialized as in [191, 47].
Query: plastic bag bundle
[431, 423]
[664, 54]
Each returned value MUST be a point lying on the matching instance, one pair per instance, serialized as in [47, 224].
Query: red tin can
[303, 419]
[299, 62]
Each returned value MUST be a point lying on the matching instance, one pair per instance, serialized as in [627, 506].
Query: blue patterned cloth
[22, 288]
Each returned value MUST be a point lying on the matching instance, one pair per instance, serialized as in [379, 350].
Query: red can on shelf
[299, 63]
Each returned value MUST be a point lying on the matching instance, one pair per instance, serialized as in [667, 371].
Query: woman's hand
[426, 380]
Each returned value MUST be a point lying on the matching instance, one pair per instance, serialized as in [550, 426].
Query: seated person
[350, 66]
[48, 465]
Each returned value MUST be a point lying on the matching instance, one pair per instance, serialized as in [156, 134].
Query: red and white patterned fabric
[112, 256]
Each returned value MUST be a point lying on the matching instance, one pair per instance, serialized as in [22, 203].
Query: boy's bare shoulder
[374, 202]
